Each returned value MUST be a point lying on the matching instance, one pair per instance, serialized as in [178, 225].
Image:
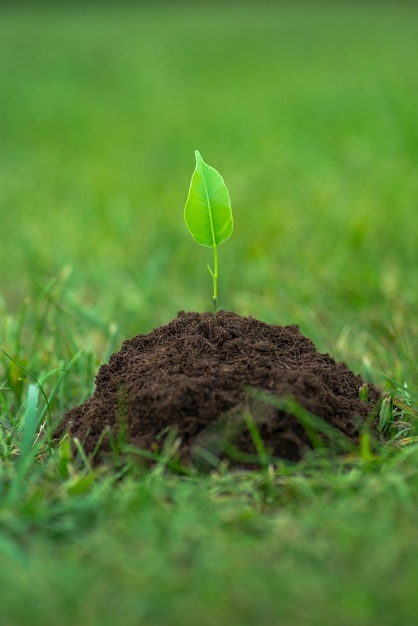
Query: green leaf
[208, 213]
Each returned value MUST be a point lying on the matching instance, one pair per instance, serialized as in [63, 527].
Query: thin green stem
[215, 278]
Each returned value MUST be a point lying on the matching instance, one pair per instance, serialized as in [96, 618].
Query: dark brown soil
[203, 378]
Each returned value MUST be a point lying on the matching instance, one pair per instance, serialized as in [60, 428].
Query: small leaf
[208, 213]
[385, 414]
[363, 392]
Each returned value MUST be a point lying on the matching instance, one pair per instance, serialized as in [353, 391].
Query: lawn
[309, 112]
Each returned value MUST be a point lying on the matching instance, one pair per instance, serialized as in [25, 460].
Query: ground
[200, 377]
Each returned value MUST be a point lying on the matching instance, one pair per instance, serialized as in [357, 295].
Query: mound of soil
[219, 382]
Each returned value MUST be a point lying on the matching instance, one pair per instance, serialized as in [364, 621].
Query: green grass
[309, 112]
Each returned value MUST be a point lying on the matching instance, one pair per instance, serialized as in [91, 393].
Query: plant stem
[215, 278]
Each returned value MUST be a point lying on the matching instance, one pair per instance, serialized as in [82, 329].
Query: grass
[310, 115]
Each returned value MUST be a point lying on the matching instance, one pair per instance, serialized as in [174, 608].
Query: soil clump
[203, 378]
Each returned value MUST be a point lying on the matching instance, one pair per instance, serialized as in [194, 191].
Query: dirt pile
[202, 377]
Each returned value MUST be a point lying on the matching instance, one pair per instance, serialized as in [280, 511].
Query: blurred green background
[309, 111]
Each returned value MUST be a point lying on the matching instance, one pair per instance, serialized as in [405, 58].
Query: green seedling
[208, 213]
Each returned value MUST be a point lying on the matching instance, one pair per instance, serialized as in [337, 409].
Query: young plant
[208, 213]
